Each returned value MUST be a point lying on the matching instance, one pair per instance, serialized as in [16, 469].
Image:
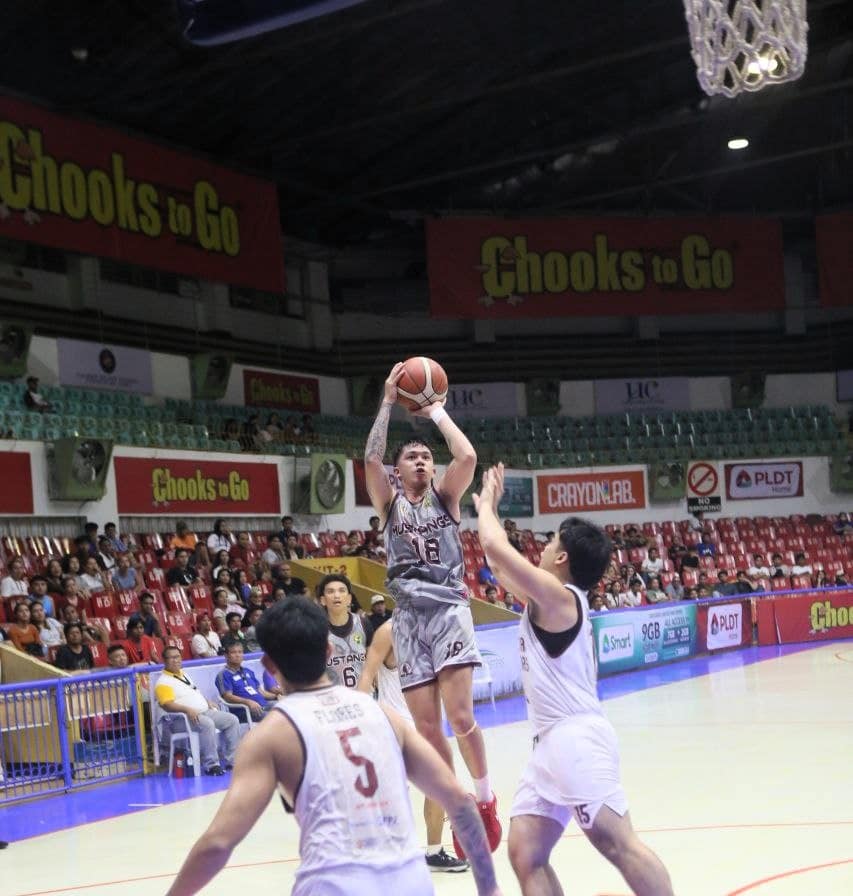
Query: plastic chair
[482, 675]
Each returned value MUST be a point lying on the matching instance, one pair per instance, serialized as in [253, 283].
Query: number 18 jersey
[424, 552]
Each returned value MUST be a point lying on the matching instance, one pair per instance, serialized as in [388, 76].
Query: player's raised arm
[377, 653]
[514, 571]
[459, 473]
[378, 486]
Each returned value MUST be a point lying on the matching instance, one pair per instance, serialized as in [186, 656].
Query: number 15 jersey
[424, 553]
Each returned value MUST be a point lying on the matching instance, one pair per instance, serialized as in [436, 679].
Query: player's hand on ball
[427, 409]
[391, 382]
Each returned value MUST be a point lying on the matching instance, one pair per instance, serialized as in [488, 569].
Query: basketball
[423, 382]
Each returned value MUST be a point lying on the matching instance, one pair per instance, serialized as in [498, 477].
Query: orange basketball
[423, 382]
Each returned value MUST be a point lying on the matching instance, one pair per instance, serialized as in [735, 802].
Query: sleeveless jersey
[558, 688]
[348, 655]
[390, 692]
[424, 552]
[352, 804]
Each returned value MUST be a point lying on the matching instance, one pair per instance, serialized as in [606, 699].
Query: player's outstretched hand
[492, 489]
[391, 382]
[427, 409]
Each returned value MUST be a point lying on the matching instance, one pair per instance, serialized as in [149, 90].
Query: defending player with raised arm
[432, 624]
[340, 764]
[574, 767]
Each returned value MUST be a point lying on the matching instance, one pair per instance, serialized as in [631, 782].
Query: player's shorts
[574, 770]
[412, 878]
[428, 639]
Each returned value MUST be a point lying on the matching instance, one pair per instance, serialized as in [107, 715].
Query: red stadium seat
[801, 582]
[155, 578]
[128, 602]
[120, 626]
[780, 583]
[183, 644]
[689, 578]
[177, 600]
[201, 597]
[99, 654]
[104, 605]
[179, 624]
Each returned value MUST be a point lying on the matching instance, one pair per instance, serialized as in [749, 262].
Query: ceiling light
[80, 54]
[738, 143]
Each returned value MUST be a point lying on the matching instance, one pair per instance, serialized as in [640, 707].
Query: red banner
[262, 389]
[165, 486]
[503, 268]
[834, 234]
[16, 496]
[813, 616]
[580, 492]
[91, 189]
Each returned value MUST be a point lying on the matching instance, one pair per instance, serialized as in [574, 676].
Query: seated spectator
[378, 613]
[74, 655]
[633, 597]
[221, 561]
[704, 591]
[53, 575]
[38, 591]
[778, 568]
[50, 631]
[253, 614]
[205, 642]
[691, 559]
[150, 622]
[676, 552]
[91, 576]
[182, 573]
[614, 596]
[515, 539]
[819, 579]
[352, 546]
[90, 533]
[271, 684]
[72, 596]
[840, 580]
[240, 550]
[242, 585]
[702, 580]
[106, 557]
[71, 567]
[118, 543]
[292, 549]
[260, 435]
[654, 593]
[234, 633]
[307, 428]
[274, 553]
[220, 610]
[759, 571]
[706, 547]
[691, 594]
[218, 540]
[239, 684]
[184, 538]
[176, 692]
[617, 538]
[652, 565]
[511, 602]
[491, 594]
[125, 577]
[23, 634]
[597, 604]
[724, 587]
[286, 529]
[140, 647]
[742, 585]
[256, 599]
[485, 576]
[117, 657]
[292, 430]
[15, 584]
[223, 580]
[674, 590]
[634, 538]
[291, 584]
[697, 524]
[801, 566]
[91, 634]
[612, 571]
[842, 526]
[374, 540]
[33, 399]
[274, 427]
[232, 431]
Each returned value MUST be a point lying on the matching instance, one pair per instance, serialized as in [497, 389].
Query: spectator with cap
[378, 613]
[33, 399]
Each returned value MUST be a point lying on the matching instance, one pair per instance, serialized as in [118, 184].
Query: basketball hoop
[747, 44]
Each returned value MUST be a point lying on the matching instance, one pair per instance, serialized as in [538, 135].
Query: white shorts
[413, 879]
[574, 769]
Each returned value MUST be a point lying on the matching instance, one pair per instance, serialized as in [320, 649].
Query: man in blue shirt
[706, 547]
[239, 684]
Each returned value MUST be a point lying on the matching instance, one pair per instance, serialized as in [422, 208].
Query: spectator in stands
[615, 594]
[654, 593]
[240, 550]
[292, 430]
[150, 622]
[633, 597]
[491, 594]
[597, 604]
[778, 568]
[139, 646]
[513, 603]
[15, 584]
[218, 539]
[125, 577]
[706, 546]
[74, 655]
[182, 573]
[819, 579]
[220, 610]
[117, 657]
[73, 596]
[293, 550]
[184, 538]
[91, 633]
[691, 559]
[515, 540]
[242, 585]
[239, 684]
[223, 580]
[271, 684]
[691, 593]
[234, 633]
[697, 524]
[222, 561]
[38, 591]
[71, 567]
[33, 399]
[118, 543]
[291, 584]
[842, 526]
[724, 587]
[90, 531]
[274, 553]
[286, 529]
[91, 576]
[352, 546]
[801, 566]
[634, 538]
[274, 427]
[652, 565]
[704, 591]
[674, 589]
[677, 551]
[374, 540]
[23, 634]
[106, 557]
[742, 585]
[50, 631]
[253, 614]
[626, 573]
[485, 576]
[205, 642]
[617, 538]
[53, 574]
[378, 613]
[759, 570]
[840, 580]
[176, 692]
[702, 580]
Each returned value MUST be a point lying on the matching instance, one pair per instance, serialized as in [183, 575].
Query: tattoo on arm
[378, 434]
[468, 827]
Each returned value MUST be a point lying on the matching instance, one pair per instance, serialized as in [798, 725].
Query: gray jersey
[348, 654]
[424, 553]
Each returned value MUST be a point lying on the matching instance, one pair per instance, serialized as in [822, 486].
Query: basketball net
[743, 45]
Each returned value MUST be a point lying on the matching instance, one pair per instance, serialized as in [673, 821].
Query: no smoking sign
[702, 483]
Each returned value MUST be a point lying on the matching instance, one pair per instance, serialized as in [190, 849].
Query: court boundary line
[784, 874]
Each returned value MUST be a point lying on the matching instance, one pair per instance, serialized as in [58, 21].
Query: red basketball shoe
[491, 822]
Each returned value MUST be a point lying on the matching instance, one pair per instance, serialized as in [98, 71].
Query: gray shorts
[428, 639]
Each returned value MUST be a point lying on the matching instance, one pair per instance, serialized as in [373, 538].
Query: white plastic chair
[482, 675]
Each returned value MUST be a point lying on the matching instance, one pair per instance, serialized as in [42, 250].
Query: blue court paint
[21, 821]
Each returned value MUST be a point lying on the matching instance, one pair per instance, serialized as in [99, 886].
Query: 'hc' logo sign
[641, 390]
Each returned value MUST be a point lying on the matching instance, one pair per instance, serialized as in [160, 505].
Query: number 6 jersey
[424, 553]
[352, 804]
[349, 651]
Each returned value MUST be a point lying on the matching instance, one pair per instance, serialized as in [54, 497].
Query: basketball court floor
[738, 769]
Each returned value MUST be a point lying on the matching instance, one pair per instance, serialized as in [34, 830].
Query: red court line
[791, 873]
[840, 656]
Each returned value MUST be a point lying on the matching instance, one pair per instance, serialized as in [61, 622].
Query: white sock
[482, 790]
[433, 849]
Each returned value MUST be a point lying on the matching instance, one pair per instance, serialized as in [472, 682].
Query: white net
[747, 44]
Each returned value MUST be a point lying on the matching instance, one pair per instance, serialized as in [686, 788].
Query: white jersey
[390, 692]
[557, 688]
[352, 804]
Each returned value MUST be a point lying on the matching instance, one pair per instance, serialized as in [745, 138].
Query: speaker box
[77, 468]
